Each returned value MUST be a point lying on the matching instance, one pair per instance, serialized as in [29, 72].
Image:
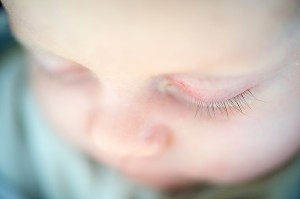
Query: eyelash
[238, 103]
[228, 107]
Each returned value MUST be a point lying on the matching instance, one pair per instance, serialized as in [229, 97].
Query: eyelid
[208, 91]
[230, 105]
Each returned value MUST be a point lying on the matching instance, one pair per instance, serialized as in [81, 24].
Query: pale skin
[117, 79]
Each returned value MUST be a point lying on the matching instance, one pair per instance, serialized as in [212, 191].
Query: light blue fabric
[15, 164]
[7, 191]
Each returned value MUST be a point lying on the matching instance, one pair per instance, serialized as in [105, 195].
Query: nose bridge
[115, 101]
[118, 94]
[121, 121]
[120, 113]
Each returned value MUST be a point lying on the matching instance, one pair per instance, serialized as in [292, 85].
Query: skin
[117, 79]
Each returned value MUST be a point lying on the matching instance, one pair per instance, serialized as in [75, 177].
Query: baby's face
[169, 92]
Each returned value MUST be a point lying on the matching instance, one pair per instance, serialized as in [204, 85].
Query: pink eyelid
[192, 88]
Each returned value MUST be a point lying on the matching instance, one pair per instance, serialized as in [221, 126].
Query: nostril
[155, 140]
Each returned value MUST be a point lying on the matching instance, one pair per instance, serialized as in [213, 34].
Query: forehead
[207, 36]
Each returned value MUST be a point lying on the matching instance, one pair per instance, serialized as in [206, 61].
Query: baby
[171, 94]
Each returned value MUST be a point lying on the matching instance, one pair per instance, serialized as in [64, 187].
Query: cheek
[251, 145]
[239, 153]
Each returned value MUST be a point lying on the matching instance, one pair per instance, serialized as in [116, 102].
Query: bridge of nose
[121, 113]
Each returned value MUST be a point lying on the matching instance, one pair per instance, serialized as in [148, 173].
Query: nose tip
[149, 142]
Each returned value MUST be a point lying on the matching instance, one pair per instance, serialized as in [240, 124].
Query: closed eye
[240, 103]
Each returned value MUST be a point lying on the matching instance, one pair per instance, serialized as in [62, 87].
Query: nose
[126, 126]
[121, 142]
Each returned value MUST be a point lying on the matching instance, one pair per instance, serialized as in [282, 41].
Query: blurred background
[5, 35]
